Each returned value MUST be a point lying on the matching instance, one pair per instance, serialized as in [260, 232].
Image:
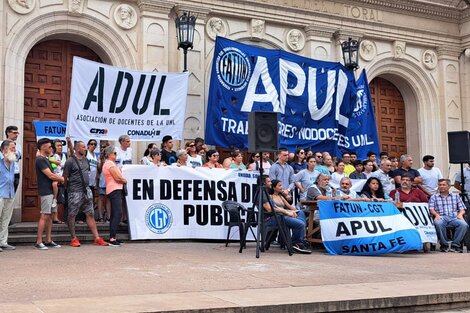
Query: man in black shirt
[168, 155]
[80, 196]
[44, 181]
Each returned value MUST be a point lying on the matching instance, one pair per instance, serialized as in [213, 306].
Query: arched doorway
[47, 80]
[389, 108]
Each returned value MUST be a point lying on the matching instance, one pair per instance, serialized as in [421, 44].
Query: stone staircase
[25, 233]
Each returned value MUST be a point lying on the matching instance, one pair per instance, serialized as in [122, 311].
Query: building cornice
[156, 7]
[200, 11]
[448, 53]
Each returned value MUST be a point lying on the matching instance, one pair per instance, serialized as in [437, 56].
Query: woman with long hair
[294, 219]
[147, 159]
[299, 161]
[114, 190]
[374, 191]
[336, 176]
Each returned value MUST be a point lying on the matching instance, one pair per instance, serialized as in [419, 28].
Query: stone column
[465, 87]
[319, 44]
[195, 119]
[450, 104]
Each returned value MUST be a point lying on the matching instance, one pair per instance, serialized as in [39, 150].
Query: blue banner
[50, 129]
[315, 99]
[361, 133]
[366, 228]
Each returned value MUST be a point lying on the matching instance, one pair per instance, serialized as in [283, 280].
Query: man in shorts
[45, 177]
[80, 196]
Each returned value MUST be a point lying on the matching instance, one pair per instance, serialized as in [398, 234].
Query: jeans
[296, 224]
[460, 230]
[115, 198]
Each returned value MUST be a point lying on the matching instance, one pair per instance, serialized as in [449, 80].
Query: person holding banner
[346, 192]
[114, 191]
[448, 209]
[374, 191]
[157, 158]
[212, 160]
[294, 219]
[79, 194]
[182, 158]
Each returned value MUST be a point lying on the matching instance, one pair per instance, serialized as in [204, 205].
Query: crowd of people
[81, 179]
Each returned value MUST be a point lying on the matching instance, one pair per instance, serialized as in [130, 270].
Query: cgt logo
[98, 131]
[158, 218]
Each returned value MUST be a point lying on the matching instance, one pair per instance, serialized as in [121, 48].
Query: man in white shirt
[458, 180]
[124, 152]
[430, 175]
[12, 133]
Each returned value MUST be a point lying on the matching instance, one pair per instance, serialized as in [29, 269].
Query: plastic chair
[234, 210]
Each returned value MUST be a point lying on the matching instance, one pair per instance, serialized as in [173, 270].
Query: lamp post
[350, 53]
[185, 25]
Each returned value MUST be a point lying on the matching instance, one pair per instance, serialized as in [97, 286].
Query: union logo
[233, 69]
[158, 218]
[361, 102]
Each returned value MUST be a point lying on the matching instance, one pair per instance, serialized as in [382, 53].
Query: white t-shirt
[194, 162]
[123, 157]
[93, 161]
[430, 178]
[336, 177]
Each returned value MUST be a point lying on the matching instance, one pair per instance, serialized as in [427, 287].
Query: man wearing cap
[168, 155]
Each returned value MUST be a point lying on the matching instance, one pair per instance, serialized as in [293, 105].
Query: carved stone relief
[22, 6]
[75, 6]
[399, 49]
[295, 40]
[215, 27]
[125, 16]
[367, 50]
[257, 28]
[429, 59]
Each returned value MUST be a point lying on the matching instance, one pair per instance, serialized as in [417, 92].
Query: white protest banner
[107, 102]
[184, 202]
[418, 215]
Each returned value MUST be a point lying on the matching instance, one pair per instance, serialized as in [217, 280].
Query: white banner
[107, 102]
[184, 202]
[418, 215]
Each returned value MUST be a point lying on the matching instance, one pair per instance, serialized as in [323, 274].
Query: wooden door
[48, 73]
[390, 116]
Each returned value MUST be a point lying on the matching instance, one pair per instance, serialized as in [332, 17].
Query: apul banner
[317, 101]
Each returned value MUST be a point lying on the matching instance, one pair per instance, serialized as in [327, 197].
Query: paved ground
[154, 276]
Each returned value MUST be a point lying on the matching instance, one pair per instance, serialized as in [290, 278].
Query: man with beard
[80, 197]
[407, 192]
[7, 190]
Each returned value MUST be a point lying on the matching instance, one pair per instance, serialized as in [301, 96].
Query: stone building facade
[416, 53]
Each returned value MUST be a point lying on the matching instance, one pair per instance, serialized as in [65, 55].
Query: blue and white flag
[315, 99]
[50, 129]
[366, 228]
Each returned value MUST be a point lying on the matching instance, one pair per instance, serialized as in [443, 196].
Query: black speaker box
[263, 132]
[459, 147]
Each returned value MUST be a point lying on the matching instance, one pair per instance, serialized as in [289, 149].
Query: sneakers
[447, 249]
[100, 242]
[300, 248]
[75, 242]
[54, 203]
[41, 246]
[114, 243]
[7, 247]
[52, 244]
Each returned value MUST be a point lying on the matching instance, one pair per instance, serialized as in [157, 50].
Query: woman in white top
[336, 176]
[157, 158]
[147, 159]
[194, 159]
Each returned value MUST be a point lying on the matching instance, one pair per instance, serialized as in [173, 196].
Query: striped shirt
[449, 205]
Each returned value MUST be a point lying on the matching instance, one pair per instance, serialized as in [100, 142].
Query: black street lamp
[350, 53]
[185, 25]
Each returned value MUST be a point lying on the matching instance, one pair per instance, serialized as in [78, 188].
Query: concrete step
[25, 233]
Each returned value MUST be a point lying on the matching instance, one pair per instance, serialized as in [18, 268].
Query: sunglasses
[319, 156]
[256, 156]
[92, 143]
